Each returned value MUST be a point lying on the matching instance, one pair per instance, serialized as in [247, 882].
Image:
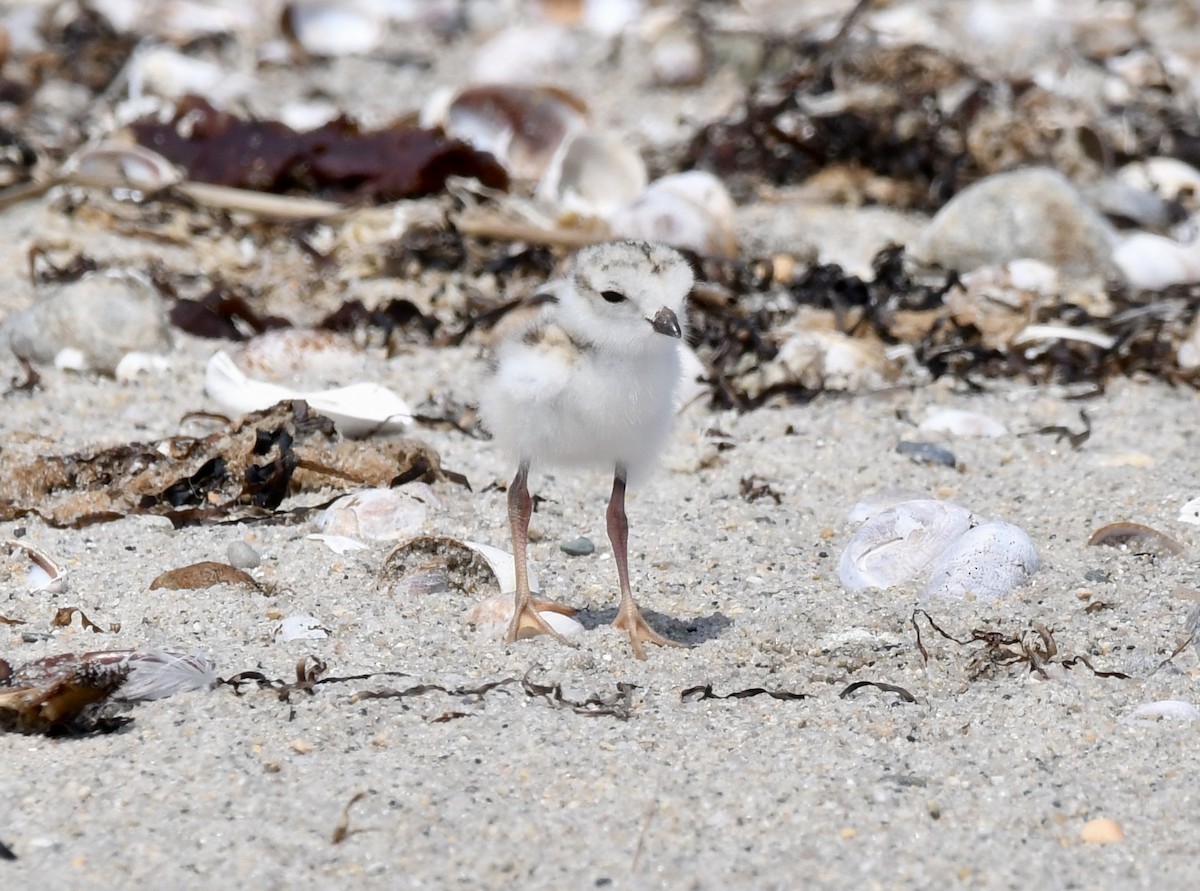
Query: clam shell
[900, 542]
[379, 514]
[492, 616]
[117, 165]
[691, 210]
[592, 176]
[356, 410]
[986, 563]
[431, 564]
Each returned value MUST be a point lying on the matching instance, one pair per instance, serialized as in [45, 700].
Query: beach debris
[45, 574]
[1102, 831]
[379, 514]
[119, 165]
[247, 469]
[1034, 647]
[901, 542]
[205, 574]
[64, 615]
[577, 547]
[63, 693]
[927, 453]
[594, 175]
[299, 627]
[1160, 710]
[89, 325]
[987, 562]
[357, 410]
[339, 544]
[1190, 512]
[705, 691]
[492, 616]
[691, 210]
[1136, 538]
[434, 564]
[242, 555]
[1153, 262]
[342, 830]
[337, 161]
[330, 29]
[961, 422]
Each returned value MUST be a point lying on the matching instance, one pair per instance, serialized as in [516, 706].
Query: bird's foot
[528, 622]
[631, 622]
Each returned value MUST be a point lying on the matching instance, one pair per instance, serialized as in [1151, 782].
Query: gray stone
[578, 547]
[1033, 213]
[101, 317]
[242, 555]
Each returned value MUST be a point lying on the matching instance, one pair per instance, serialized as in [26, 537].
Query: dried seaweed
[1034, 647]
[337, 160]
[878, 685]
[1060, 432]
[751, 488]
[63, 617]
[705, 691]
[245, 472]
[342, 831]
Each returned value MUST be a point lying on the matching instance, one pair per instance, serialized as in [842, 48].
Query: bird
[591, 382]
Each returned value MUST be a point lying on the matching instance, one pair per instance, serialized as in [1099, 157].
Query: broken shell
[492, 616]
[1102, 831]
[1165, 708]
[592, 176]
[339, 544]
[1034, 334]
[357, 410]
[1151, 262]
[299, 628]
[959, 422]
[1169, 178]
[333, 29]
[163, 71]
[433, 564]
[1150, 539]
[45, 575]
[900, 542]
[286, 352]
[691, 210]
[880, 501]
[379, 514]
[1190, 512]
[117, 165]
[986, 563]
[523, 127]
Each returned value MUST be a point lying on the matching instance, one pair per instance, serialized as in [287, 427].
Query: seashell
[1190, 512]
[1188, 355]
[339, 544]
[1021, 275]
[959, 422]
[523, 127]
[330, 29]
[1040, 333]
[675, 49]
[691, 210]
[134, 364]
[831, 360]
[526, 53]
[379, 514]
[118, 165]
[900, 542]
[592, 176]
[1151, 262]
[1164, 708]
[432, 564]
[98, 319]
[45, 575]
[1150, 540]
[879, 501]
[1102, 831]
[986, 563]
[357, 410]
[166, 72]
[299, 628]
[287, 352]
[491, 617]
[1169, 178]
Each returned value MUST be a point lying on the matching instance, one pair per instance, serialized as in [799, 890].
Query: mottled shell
[900, 542]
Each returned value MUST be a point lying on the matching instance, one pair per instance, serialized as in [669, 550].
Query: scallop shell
[986, 563]
[379, 514]
[357, 410]
[900, 542]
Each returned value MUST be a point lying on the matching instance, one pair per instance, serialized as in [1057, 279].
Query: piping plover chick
[591, 382]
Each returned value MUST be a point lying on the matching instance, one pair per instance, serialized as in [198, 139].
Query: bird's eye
[612, 296]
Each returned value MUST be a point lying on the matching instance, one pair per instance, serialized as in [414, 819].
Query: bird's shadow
[693, 631]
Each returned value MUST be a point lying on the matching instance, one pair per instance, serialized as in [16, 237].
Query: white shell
[691, 210]
[45, 575]
[1168, 177]
[357, 410]
[959, 422]
[327, 28]
[300, 628]
[339, 544]
[119, 165]
[1190, 512]
[379, 514]
[592, 176]
[492, 616]
[1032, 334]
[900, 542]
[286, 352]
[880, 501]
[1152, 262]
[986, 563]
[1163, 708]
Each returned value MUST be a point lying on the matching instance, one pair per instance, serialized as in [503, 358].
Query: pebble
[96, 321]
[1033, 213]
[927, 453]
[242, 555]
[578, 547]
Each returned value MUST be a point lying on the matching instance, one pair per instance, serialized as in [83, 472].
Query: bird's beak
[666, 322]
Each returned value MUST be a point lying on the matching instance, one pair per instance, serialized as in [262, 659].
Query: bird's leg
[525, 621]
[629, 617]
